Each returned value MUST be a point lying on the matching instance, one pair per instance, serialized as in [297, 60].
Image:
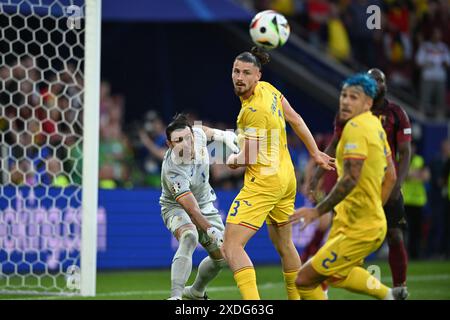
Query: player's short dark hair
[257, 56]
[179, 121]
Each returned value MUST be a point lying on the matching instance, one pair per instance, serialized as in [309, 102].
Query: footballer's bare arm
[389, 181]
[404, 159]
[349, 180]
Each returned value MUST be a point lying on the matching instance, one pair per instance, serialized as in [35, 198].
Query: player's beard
[244, 88]
[240, 90]
[343, 119]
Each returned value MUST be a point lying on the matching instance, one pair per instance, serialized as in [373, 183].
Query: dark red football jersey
[329, 176]
[395, 122]
[338, 126]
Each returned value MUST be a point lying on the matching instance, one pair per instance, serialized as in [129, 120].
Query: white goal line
[265, 286]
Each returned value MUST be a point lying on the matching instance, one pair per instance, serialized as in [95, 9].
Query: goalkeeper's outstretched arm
[190, 205]
[227, 137]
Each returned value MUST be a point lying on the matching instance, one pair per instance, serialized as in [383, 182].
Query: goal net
[49, 80]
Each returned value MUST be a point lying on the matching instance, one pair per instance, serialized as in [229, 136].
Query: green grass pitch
[426, 280]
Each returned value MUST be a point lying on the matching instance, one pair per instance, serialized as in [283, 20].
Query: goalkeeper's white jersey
[178, 180]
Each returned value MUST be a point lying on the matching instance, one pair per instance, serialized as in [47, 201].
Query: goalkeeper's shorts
[177, 217]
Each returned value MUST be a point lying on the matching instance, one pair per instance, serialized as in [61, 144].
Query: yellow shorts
[340, 254]
[251, 208]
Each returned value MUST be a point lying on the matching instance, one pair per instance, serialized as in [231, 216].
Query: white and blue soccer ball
[269, 29]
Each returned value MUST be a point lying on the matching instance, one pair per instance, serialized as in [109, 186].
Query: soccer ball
[269, 29]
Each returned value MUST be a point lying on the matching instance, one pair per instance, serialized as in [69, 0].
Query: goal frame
[84, 277]
[91, 115]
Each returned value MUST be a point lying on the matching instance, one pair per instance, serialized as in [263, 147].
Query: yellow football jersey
[360, 215]
[262, 118]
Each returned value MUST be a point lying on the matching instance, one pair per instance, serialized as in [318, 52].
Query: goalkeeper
[187, 204]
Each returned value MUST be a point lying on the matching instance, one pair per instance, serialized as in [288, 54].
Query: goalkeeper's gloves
[216, 235]
[228, 137]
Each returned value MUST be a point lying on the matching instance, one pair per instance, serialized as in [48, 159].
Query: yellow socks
[246, 282]
[289, 280]
[314, 294]
[360, 280]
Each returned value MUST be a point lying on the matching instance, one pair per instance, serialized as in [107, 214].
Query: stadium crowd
[412, 45]
[40, 124]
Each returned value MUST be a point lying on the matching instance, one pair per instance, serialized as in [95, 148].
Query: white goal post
[91, 147]
[49, 133]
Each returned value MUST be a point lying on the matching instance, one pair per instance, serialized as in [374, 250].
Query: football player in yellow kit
[269, 187]
[366, 178]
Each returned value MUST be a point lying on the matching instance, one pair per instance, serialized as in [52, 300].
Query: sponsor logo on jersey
[350, 146]
[176, 186]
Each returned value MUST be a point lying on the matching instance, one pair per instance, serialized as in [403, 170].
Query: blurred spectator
[319, 12]
[338, 45]
[415, 199]
[21, 172]
[73, 164]
[433, 58]
[434, 14]
[27, 158]
[361, 37]
[153, 138]
[398, 53]
[115, 155]
[61, 113]
[397, 43]
[105, 102]
[438, 201]
[54, 174]
[399, 15]
[286, 7]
